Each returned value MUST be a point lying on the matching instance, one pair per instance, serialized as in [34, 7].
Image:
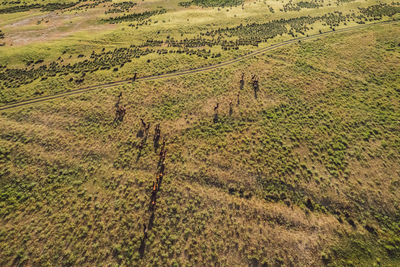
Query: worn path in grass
[183, 72]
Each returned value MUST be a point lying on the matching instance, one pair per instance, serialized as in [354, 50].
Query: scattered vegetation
[212, 3]
[45, 7]
[134, 16]
[287, 158]
[121, 7]
[18, 6]
[299, 5]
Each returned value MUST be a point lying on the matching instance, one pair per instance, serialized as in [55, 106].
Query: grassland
[305, 174]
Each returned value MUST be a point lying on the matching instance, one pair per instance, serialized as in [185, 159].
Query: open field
[303, 171]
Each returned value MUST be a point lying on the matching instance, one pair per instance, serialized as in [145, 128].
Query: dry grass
[306, 174]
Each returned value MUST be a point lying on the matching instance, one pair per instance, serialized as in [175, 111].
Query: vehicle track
[183, 72]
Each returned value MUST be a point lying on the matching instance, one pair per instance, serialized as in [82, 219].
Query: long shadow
[150, 224]
[151, 221]
[156, 143]
[144, 135]
[140, 148]
[143, 242]
[215, 118]
[140, 133]
[139, 154]
[153, 199]
[142, 246]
